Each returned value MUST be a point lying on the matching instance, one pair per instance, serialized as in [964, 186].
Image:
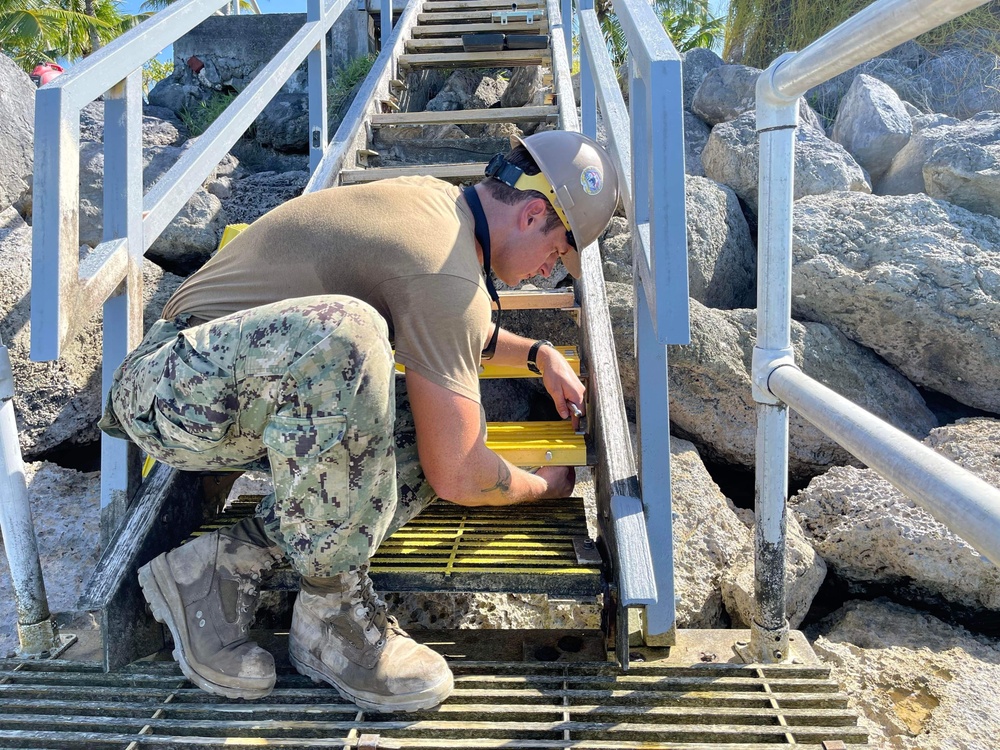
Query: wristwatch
[533, 353]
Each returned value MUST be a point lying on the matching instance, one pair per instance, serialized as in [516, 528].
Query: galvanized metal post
[318, 135]
[385, 18]
[776, 121]
[120, 474]
[588, 91]
[35, 629]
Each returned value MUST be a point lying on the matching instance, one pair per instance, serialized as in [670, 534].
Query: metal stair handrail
[961, 501]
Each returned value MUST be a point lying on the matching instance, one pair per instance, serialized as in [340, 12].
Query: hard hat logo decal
[592, 180]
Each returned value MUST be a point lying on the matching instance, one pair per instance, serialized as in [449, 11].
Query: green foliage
[757, 31]
[340, 90]
[34, 31]
[153, 71]
[688, 23]
[198, 119]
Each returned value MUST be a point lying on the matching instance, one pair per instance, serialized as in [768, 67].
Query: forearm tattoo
[503, 478]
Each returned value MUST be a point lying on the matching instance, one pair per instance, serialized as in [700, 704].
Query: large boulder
[732, 157]
[284, 123]
[967, 175]
[249, 197]
[727, 91]
[187, 242]
[708, 539]
[56, 402]
[710, 388]
[804, 574]
[869, 532]
[914, 279]
[962, 82]
[906, 173]
[160, 126]
[917, 682]
[695, 65]
[872, 124]
[695, 137]
[17, 128]
[721, 253]
[722, 259]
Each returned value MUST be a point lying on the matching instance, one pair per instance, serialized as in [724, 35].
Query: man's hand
[560, 479]
[561, 382]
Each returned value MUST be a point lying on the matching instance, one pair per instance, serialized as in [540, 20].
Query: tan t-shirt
[405, 246]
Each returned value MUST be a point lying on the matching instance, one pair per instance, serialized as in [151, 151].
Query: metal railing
[963, 502]
[647, 141]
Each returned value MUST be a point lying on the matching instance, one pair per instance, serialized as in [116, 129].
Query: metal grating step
[533, 548]
[519, 704]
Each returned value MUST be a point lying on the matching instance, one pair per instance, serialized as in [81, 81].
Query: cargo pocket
[310, 465]
[195, 403]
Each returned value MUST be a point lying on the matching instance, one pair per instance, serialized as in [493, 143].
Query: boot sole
[160, 598]
[433, 696]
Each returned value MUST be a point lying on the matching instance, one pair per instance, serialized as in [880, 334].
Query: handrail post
[385, 19]
[588, 91]
[120, 475]
[777, 117]
[35, 630]
[318, 125]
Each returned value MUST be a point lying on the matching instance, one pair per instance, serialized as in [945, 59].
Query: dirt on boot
[206, 592]
[348, 640]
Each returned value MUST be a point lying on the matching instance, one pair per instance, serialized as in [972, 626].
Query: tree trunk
[95, 40]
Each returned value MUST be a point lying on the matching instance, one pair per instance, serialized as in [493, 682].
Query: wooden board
[441, 44]
[541, 299]
[505, 59]
[466, 116]
[540, 26]
[478, 16]
[460, 5]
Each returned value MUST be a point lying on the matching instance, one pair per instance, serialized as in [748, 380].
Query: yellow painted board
[229, 232]
[488, 370]
[537, 443]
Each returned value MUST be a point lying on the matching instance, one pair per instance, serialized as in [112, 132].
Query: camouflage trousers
[306, 387]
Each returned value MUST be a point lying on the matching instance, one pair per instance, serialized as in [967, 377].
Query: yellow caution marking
[537, 443]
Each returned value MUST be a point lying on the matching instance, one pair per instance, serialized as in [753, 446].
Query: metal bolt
[777, 655]
[588, 544]
[741, 644]
[548, 455]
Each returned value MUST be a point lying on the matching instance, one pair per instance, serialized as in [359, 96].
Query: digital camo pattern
[306, 387]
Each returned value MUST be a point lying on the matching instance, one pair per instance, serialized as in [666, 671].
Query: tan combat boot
[347, 640]
[206, 592]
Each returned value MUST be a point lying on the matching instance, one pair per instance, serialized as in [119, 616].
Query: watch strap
[533, 354]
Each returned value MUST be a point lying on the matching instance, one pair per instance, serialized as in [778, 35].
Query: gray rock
[895, 73]
[916, 681]
[872, 124]
[965, 174]
[178, 92]
[906, 174]
[921, 121]
[804, 574]
[731, 157]
[55, 402]
[710, 388]
[868, 531]
[727, 91]
[160, 127]
[524, 85]
[709, 538]
[17, 128]
[695, 137]
[468, 89]
[962, 82]
[722, 259]
[695, 65]
[187, 241]
[284, 123]
[621, 309]
[914, 279]
[616, 250]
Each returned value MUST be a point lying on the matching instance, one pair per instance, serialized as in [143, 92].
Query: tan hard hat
[584, 184]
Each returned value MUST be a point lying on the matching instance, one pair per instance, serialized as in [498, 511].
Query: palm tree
[33, 31]
[688, 23]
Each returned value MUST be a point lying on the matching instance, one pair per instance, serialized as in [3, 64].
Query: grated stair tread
[575, 703]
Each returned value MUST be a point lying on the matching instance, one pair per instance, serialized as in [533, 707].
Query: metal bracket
[774, 109]
[766, 646]
[766, 361]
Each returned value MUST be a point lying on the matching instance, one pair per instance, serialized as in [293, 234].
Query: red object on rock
[45, 72]
[195, 64]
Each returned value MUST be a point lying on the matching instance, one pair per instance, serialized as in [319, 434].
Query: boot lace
[375, 610]
[249, 590]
